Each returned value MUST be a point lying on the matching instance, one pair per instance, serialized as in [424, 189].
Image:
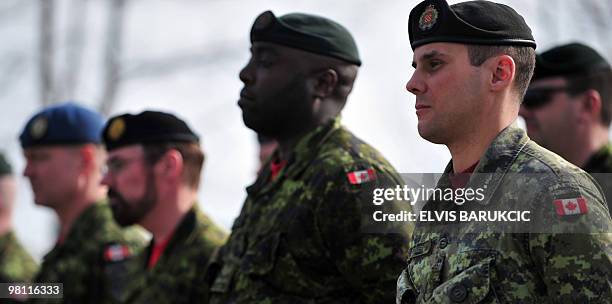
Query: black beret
[306, 32]
[472, 22]
[62, 124]
[5, 167]
[569, 60]
[146, 127]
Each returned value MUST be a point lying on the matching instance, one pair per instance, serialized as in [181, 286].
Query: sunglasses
[536, 98]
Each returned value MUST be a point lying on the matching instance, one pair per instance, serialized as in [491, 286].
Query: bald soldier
[473, 62]
[64, 160]
[16, 264]
[154, 167]
[300, 237]
[568, 108]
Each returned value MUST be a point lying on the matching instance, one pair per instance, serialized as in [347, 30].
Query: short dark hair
[600, 81]
[193, 158]
[524, 59]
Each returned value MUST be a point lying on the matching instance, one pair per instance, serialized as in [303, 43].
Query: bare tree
[600, 13]
[46, 47]
[112, 57]
[63, 83]
[75, 44]
[12, 70]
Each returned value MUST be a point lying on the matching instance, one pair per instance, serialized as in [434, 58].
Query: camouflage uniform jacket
[600, 166]
[298, 238]
[179, 274]
[91, 261]
[16, 264]
[469, 265]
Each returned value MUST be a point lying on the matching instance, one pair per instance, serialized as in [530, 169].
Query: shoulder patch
[361, 176]
[571, 206]
[116, 252]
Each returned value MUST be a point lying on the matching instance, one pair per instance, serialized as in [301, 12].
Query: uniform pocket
[472, 285]
[424, 267]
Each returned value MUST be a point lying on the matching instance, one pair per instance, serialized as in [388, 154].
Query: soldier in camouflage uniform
[64, 164]
[153, 175]
[300, 237]
[473, 63]
[16, 264]
[568, 108]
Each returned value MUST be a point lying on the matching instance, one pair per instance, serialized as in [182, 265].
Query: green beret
[5, 167]
[146, 127]
[569, 60]
[306, 32]
[472, 22]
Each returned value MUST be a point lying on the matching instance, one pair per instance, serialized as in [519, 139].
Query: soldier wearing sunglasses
[567, 108]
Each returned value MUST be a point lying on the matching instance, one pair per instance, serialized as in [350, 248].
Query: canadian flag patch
[114, 253]
[571, 206]
[361, 176]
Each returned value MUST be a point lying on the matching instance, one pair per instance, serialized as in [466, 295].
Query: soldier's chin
[121, 214]
[429, 135]
[41, 202]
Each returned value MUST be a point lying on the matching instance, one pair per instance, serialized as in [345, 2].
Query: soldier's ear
[171, 164]
[88, 156]
[502, 70]
[325, 82]
[590, 104]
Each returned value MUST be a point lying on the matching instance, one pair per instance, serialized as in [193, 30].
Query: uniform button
[443, 242]
[458, 293]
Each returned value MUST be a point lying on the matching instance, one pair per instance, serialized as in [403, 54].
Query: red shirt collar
[157, 250]
[276, 165]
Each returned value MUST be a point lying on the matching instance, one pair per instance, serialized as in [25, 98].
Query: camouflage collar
[495, 162]
[6, 239]
[304, 153]
[86, 225]
[308, 146]
[181, 233]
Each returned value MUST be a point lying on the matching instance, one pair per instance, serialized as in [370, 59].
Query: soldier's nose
[245, 75]
[415, 86]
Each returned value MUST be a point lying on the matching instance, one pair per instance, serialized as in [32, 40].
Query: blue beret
[62, 124]
[471, 22]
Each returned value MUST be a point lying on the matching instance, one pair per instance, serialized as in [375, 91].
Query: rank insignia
[428, 18]
[116, 129]
[38, 129]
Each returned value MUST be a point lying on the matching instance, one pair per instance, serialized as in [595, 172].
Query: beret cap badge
[39, 127]
[116, 129]
[428, 18]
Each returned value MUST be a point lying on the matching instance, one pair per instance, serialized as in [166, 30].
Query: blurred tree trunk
[46, 48]
[600, 13]
[74, 50]
[112, 56]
